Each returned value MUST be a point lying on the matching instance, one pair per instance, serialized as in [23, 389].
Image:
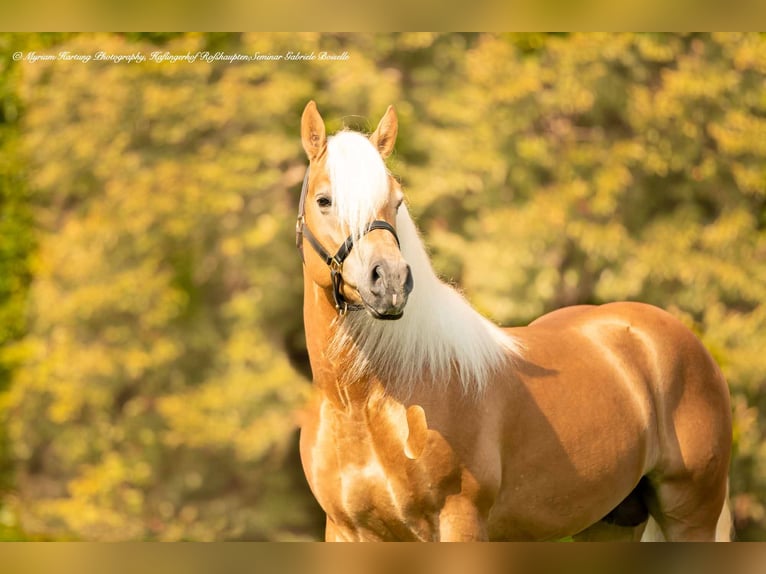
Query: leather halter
[334, 262]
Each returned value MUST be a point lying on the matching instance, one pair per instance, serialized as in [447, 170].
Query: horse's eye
[399, 203]
[324, 202]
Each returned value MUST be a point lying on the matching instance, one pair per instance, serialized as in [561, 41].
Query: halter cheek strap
[334, 262]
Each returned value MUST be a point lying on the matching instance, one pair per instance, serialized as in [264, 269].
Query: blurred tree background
[152, 363]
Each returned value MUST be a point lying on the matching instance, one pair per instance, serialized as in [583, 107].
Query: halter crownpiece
[334, 262]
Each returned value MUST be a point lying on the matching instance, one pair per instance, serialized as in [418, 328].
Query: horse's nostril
[408, 282]
[376, 275]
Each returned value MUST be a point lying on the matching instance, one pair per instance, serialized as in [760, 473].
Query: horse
[428, 422]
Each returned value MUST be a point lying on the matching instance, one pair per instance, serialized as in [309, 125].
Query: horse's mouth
[383, 313]
[384, 316]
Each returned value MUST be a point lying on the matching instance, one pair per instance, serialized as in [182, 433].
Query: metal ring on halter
[334, 262]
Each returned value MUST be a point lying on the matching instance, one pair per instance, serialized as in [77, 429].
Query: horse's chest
[369, 487]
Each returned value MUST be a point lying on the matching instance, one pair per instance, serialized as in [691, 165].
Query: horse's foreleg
[331, 533]
[461, 521]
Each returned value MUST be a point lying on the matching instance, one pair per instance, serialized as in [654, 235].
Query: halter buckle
[336, 266]
[341, 305]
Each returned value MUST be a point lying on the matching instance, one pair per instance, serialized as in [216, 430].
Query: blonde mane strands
[359, 180]
[440, 337]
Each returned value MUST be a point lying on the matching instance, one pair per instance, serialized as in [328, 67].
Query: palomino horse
[430, 423]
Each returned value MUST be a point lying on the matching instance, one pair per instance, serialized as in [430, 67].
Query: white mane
[440, 337]
[359, 180]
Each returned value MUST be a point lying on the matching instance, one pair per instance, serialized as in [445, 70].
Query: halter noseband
[334, 262]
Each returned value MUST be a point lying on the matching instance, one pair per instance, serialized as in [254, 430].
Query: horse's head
[347, 218]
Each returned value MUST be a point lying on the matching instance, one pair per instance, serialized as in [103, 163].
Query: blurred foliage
[161, 369]
[16, 247]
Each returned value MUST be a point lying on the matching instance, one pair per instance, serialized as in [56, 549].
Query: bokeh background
[152, 362]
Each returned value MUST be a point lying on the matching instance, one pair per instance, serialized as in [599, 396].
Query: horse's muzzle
[389, 284]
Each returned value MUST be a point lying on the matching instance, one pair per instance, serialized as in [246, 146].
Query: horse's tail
[652, 532]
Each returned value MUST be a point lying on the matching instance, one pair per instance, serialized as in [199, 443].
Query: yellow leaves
[657, 49]
[415, 40]
[571, 96]
[104, 477]
[751, 179]
[102, 502]
[601, 241]
[545, 170]
[740, 335]
[67, 402]
[746, 435]
[236, 410]
[498, 68]
[546, 282]
[749, 51]
[534, 148]
[695, 81]
[265, 230]
[729, 232]
[610, 183]
[245, 406]
[91, 521]
[740, 133]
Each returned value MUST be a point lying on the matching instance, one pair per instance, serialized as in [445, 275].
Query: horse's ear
[384, 135]
[312, 131]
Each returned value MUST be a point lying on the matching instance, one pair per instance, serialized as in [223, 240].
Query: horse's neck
[319, 316]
